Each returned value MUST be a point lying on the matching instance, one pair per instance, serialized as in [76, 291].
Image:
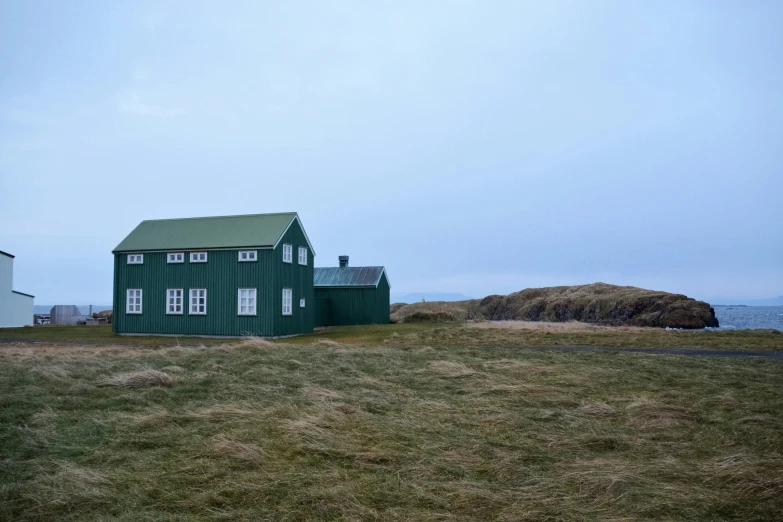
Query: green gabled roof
[255, 230]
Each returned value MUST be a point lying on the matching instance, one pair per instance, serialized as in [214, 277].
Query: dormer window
[198, 257]
[176, 257]
[248, 255]
[302, 256]
[135, 259]
[288, 253]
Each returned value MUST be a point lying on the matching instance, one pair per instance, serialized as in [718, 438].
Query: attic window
[302, 256]
[198, 257]
[135, 259]
[288, 253]
[247, 255]
[177, 257]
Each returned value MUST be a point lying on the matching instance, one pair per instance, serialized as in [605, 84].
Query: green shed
[221, 276]
[351, 295]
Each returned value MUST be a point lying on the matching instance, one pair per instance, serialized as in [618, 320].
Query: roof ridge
[344, 267]
[220, 217]
[242, 230]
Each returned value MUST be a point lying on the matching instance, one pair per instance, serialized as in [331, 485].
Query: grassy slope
[423, 426]
[438, 333]
[95, 334]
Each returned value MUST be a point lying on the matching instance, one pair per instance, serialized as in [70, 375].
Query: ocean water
[752, 317]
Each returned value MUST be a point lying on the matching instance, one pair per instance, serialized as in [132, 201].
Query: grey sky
[474, 147]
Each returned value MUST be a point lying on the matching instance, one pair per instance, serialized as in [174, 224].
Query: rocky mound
[597, 303]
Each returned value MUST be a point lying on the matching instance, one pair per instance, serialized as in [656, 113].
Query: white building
[16, 308]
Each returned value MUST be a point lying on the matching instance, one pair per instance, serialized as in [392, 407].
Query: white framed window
[198, 257]
[302, 255]
[288, 253]
[246, 302]
[248, 255]
[287, 297]
[135, 259]
[174, 301]
[198, 301]
[175, 257]
[302, 303]
[133, 301]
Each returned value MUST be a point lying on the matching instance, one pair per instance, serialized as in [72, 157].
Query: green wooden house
[222, 276]
[351, 295]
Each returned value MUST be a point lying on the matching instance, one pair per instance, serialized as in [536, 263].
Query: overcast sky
[474, 147]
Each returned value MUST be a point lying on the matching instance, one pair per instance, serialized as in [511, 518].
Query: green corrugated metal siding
[357, 305]
[222, 276]
[322, 311]
[300, 279]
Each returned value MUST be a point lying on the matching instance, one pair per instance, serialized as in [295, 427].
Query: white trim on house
[288, 253]
[250, 256]
[198, 257]
[194, 304]
[295, 218]
[288, 297]
[172, 296]
[250, 301]
[175, 257]
[301, 257]
[135, 259]
[133, 301]
[383, 272]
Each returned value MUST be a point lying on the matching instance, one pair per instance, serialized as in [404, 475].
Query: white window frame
[192, 302]
[134, 307]
[196, 257]
[251, 309]
[171, 293]
[288, 297]
[302, 303]
[303, 256]
[250, 256]
[171, 257]
[288, 253]
[135, 259]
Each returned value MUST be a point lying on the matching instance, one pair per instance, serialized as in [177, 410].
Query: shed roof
[6, 254]
[348, 276]
[254, 230]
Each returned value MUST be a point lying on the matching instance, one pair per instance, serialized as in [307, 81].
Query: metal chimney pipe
[343, 261]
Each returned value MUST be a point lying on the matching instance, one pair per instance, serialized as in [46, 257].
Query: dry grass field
[409, 422]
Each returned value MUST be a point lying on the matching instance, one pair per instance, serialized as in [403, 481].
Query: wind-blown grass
[483, 333]
[418, 427]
